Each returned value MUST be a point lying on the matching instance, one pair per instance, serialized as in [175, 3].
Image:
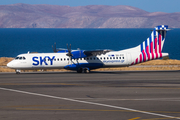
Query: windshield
[20, 58]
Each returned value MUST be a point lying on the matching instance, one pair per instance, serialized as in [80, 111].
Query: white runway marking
[92, 103]
[150, 99]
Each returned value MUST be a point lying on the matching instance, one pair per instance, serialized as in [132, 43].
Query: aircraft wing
[86, 53]
[96, 52]
[75, 54]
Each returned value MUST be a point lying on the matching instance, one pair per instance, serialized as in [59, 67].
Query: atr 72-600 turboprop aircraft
[84, 61]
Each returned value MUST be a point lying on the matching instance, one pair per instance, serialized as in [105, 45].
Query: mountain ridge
[92, 16]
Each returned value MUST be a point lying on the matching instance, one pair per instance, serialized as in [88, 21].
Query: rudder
[152, 48]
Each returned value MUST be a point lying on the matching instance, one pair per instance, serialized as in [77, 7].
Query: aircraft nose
[10, 65]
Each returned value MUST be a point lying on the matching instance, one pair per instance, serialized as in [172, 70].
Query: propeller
[69, 52]
[54, 47]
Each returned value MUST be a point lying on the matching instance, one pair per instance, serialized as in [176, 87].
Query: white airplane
[84, 61]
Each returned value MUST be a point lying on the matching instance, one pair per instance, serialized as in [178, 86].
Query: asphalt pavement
[108, 95]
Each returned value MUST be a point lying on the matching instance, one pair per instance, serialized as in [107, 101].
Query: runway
[115, 95]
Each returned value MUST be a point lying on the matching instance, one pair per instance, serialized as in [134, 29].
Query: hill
[92, 16]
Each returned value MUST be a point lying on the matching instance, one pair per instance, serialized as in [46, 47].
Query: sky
[168, 6]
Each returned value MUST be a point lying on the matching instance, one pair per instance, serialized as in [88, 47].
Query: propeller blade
[67, 47]
[69, 51]
[54, 47]
[70, 47]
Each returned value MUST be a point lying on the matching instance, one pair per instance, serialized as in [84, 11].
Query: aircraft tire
[79, 70]
[18, 71]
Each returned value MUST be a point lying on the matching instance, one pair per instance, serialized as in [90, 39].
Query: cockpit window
[20, 58]
[16, 58]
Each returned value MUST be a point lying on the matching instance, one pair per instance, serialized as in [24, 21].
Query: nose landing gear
[18, 71]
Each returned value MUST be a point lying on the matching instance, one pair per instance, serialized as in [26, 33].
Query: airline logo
[152, 47]
[43, 60]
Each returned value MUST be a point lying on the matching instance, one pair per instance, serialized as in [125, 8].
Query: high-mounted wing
[85, 53]
[96, 52]
[75, 54]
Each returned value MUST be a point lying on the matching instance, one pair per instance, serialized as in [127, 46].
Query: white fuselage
[60, 60]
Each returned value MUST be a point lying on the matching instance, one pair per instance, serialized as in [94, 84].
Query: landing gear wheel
[79, 70]
[18, 71]
[86, 70]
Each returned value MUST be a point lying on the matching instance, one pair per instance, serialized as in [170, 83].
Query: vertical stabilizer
[152, 48]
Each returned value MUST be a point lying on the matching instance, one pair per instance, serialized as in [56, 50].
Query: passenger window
[107, 58]
[123, 57]
[54, 59]
[97, 58]
[116, 57]
[101, 58]
[24, 58]
[90, 58]
[61, 59]
[80, 58]
[94, 58]
[104, 58]
[64, 59]
[110, 57]
[87, 58]
[119, 57]
[84, 58]
[113, 57]
[58, 59]
[20, 58]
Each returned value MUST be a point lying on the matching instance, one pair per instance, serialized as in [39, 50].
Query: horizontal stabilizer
[165, 54]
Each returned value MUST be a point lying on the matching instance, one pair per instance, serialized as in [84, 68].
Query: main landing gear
[18, 71]
[84, 70]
